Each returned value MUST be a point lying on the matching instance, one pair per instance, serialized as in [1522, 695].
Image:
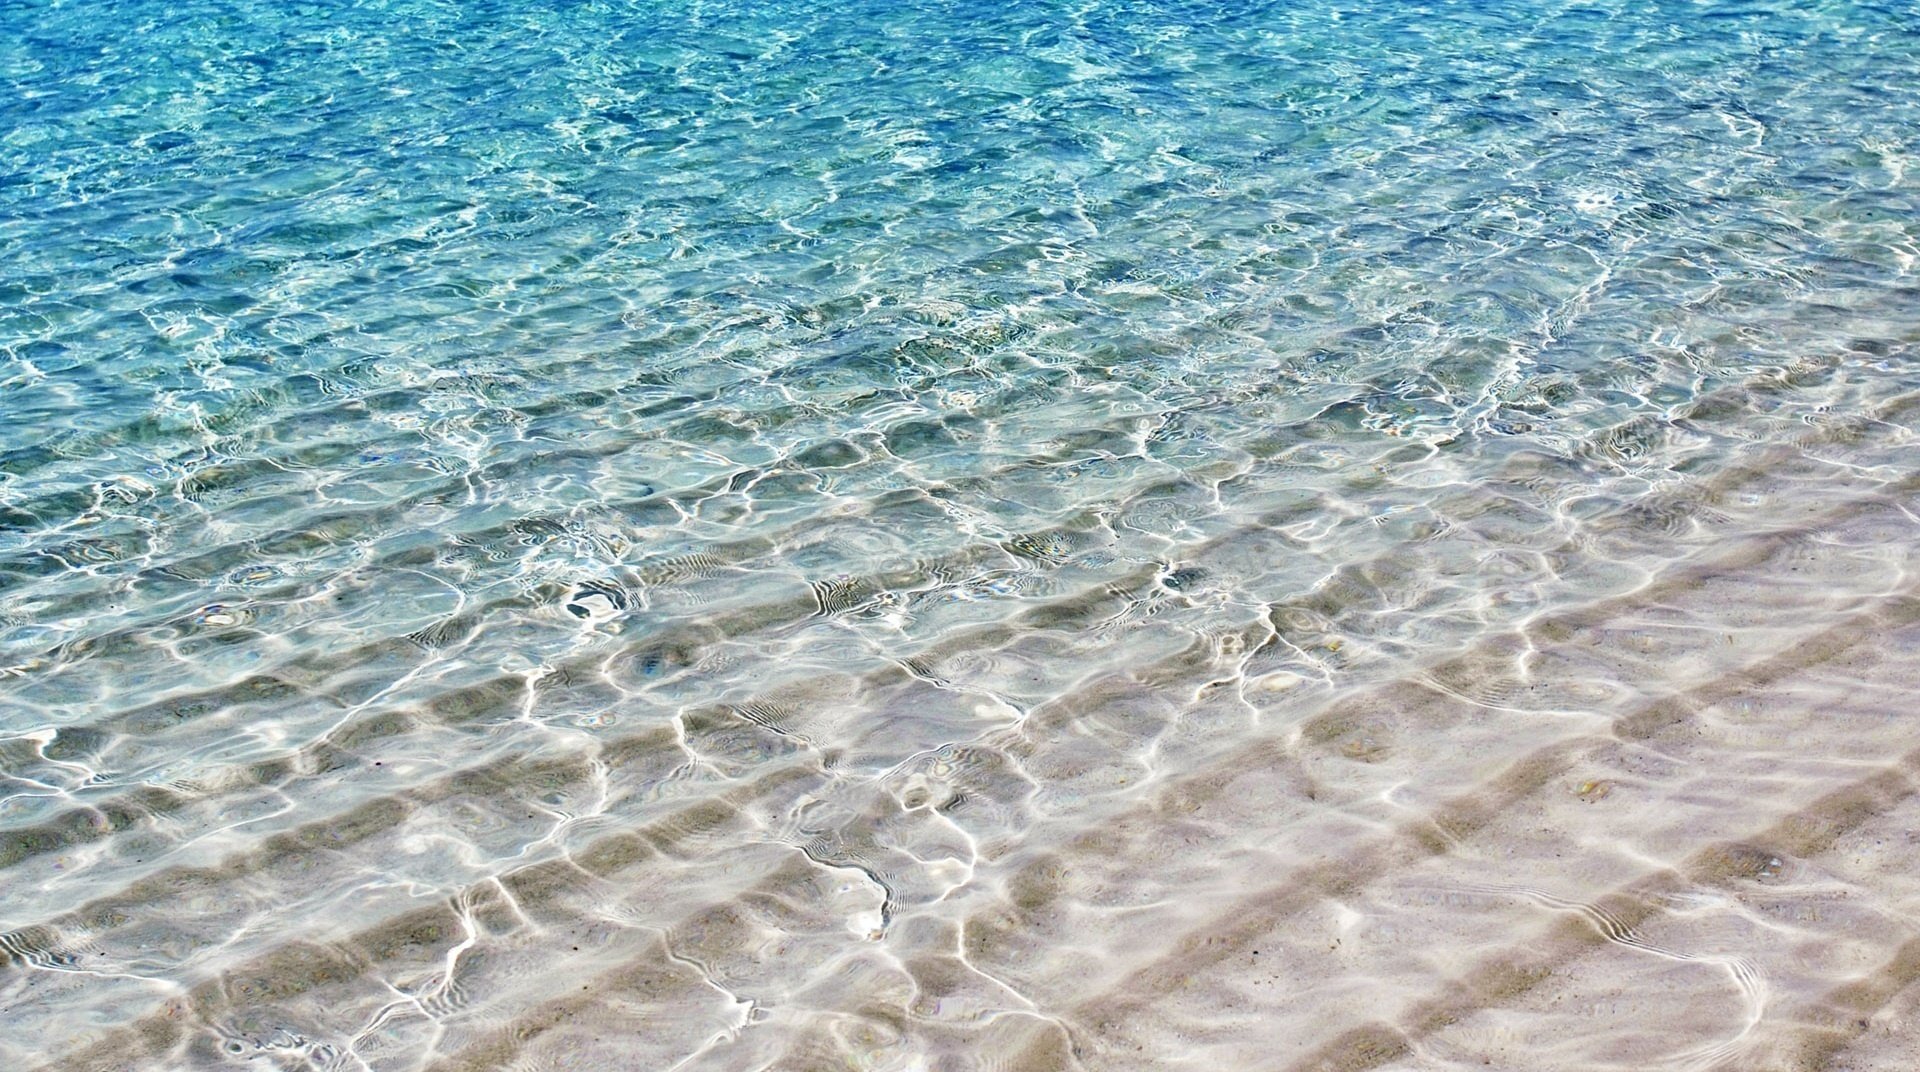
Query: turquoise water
[1107, 535]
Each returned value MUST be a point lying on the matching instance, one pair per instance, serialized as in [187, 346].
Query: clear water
[1119, 535]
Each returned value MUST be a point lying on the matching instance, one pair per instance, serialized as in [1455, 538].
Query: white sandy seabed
[1651, 806]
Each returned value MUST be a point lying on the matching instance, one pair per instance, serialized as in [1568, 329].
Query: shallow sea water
[1119, 535]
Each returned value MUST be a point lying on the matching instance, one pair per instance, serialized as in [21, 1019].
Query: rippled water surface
[1123, 535]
